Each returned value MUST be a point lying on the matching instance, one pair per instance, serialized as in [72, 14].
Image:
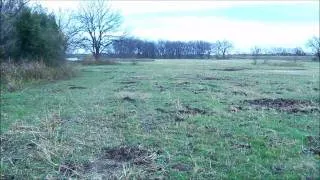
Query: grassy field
[167, 119]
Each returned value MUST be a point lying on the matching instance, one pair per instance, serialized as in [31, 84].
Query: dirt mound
[136, 154]
[289, 105]
[77, 87]
[110, 162]
[129, 99]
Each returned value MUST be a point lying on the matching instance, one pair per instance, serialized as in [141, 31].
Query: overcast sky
[246, 23]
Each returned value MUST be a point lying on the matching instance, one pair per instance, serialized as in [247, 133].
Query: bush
[14, 76]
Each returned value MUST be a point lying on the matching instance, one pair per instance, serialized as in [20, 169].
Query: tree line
[32, 34]
[130, 47]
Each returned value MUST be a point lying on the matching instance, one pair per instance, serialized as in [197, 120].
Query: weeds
[14, 76]
[25, 144]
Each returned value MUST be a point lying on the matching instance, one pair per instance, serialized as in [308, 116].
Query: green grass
[186, 118]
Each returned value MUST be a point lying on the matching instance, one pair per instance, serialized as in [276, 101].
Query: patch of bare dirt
[182, 167]
[183, 83]
[128, 82]
[239, 145]
[211, 78]
[129, 99]
[161, 110]
[102, 167]
[313, 144]
[77, 87]
[239, 93]
[137, 155]
[231, 69]
[289, 105]
[184, 112]
[132, 96]
[192, 110]
[110, 162]
[202, 90]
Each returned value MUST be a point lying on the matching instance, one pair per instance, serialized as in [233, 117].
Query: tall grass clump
[14, 76]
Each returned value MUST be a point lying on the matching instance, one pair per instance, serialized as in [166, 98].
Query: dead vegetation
[14, 76]
[46, 145]
[43, 144]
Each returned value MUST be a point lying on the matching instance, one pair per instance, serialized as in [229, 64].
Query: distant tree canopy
[34, 35]
[136, 48]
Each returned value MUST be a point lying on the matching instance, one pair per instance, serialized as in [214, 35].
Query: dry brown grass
[14, 76]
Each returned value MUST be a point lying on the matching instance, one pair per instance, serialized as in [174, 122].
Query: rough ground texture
[166, 119]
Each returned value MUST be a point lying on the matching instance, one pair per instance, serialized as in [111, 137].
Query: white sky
[198, 20]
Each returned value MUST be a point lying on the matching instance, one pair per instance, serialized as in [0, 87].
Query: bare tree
[70, 30]
[222, 48]
[255, 52]
[314, 45]
[99, 25]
